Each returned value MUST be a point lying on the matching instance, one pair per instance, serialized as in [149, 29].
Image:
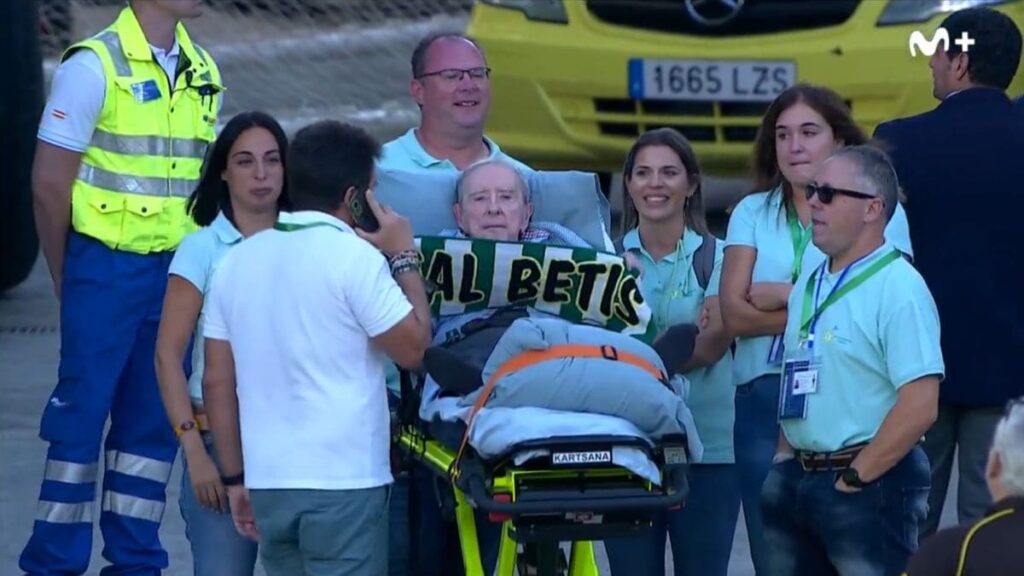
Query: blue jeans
[813, 529]
[701, 532]
[756, 436]
[217, 548]
[398, 528]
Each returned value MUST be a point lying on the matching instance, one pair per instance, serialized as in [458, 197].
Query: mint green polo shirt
[671, 289]
[406, 154]
[879, 336]
[759, 221]
[196, 260]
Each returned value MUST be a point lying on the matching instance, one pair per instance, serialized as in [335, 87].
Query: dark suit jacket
[961, 166]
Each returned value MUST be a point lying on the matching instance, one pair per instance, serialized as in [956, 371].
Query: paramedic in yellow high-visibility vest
[121, 145]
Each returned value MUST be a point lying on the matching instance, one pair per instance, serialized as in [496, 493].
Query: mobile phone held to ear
[361, 212]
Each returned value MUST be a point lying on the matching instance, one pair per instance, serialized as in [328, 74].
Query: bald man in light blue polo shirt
[860, 382]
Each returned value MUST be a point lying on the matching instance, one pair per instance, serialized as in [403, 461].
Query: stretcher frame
[529, 514]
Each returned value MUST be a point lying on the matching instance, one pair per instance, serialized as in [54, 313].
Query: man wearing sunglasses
[860, 387]
[451, 85]
[988, 547]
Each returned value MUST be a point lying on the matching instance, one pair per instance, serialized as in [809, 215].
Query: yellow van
[574, 82]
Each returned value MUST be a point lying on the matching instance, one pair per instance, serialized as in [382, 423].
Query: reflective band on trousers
[133, 506]
[64, 513]
[138, 466]
[70, 472]
[149, 145]
[142, 185]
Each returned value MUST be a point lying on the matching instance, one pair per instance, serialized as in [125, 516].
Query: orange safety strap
[531, 357]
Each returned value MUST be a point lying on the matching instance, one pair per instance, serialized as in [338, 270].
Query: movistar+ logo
[941, 36]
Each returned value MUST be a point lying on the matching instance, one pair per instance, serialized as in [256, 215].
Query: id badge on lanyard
[799, 379]
[800, 367]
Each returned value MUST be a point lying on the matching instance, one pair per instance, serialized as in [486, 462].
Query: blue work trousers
[110, 312]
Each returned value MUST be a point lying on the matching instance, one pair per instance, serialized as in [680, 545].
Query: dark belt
[828, 461]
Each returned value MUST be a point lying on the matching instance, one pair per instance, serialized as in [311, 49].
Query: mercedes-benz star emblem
[713, 12]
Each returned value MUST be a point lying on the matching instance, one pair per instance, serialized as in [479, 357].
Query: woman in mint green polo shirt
[680, 264]
[240, 193]
[767, 245]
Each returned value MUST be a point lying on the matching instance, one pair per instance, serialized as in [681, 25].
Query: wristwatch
[851, 478]
[235, 480]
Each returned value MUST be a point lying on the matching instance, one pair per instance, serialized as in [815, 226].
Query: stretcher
[563, 491]
[570, 494]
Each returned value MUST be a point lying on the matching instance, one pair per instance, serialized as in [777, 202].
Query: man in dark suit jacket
[961, 167]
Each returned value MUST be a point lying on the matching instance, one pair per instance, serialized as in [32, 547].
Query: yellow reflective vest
[147, 150]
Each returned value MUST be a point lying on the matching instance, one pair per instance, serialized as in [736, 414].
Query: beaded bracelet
[404, 255]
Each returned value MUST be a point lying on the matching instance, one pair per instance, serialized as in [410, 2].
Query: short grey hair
[1008, 443]
[875, 172]
[520, 179]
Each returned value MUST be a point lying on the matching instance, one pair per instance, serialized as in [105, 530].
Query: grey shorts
[323, 532]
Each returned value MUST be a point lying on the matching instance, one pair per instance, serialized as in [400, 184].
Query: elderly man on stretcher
[537, 334]
[598, 376]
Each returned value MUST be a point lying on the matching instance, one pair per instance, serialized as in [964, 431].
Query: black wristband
[235, 480]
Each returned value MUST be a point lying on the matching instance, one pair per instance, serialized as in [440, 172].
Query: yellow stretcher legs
[582, 560]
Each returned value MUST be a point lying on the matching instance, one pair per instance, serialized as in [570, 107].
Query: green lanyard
[801, 238]
[290, 227]
[809, 319]
[670, 293]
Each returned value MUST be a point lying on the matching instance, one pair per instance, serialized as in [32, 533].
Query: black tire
[20, 107]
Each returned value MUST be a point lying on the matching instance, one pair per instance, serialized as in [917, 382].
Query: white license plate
[571, 458]
[702, 80]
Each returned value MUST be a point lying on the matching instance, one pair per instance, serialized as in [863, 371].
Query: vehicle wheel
[20, 57]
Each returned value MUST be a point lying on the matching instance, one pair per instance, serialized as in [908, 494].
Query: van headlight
[904, 12]
[542, 10]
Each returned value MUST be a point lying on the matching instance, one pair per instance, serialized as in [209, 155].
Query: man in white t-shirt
[301, 321]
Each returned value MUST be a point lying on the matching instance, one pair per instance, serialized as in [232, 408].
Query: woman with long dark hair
[240, 193]
[680, 265]
[767, 246]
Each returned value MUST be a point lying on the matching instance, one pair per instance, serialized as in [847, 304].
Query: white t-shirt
[76, 97]
[299, 309]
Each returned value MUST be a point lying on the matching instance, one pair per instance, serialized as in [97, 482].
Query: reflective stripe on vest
[147, 150]
[140, 185]
[149, 145]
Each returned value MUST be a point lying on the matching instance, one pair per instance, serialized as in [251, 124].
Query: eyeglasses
[826, 193]
[456, 74]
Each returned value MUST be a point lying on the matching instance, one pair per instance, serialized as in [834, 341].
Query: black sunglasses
[826, 193]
